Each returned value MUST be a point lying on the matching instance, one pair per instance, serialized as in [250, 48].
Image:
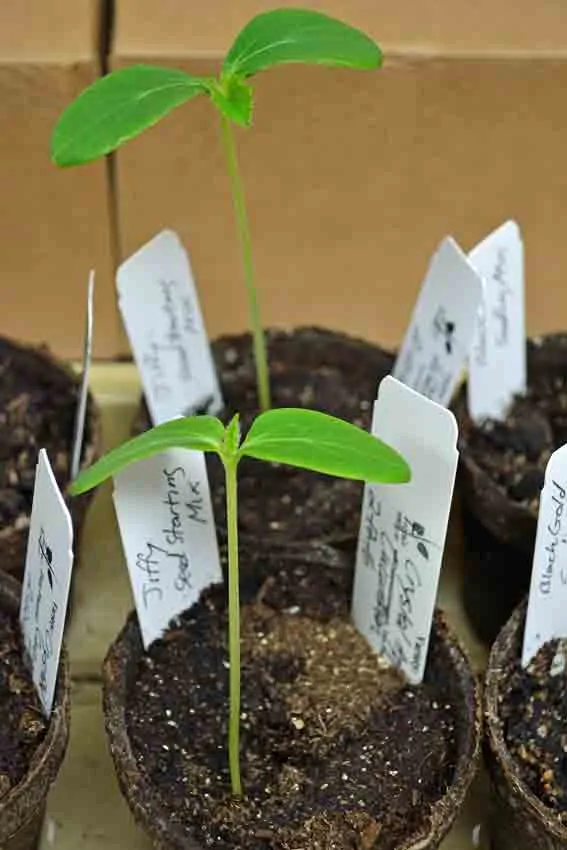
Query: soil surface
[312, 368]
[22, 724]
[515, 452]
[337, 752]
[533, 709]
[37, 410]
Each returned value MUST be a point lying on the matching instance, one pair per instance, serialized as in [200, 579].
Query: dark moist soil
[534, 711]
[37, 410]
[312, 368]
[337, 752]
[515, 452]
[22, 724]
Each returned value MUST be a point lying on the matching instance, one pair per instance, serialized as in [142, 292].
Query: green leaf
[204, 433]
[118, 107]
[298, 35]
[316, 441]
[233, 97]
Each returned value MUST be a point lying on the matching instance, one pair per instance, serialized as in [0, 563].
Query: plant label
[403, 529]
[47, 580]
[160, 308]
[547, 605]
[440, 334]
[497, 362]
[164, 511]
[79, 431]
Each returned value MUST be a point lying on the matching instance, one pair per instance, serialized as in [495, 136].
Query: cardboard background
[353, 178]
[55, 224]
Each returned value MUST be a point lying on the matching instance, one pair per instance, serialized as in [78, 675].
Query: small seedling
[122, 104]
[302, 438]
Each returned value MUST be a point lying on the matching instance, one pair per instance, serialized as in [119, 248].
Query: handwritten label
[165, 515]
[497, 362]
[161, 312]
[47, 580]
[403, 529]
[442, 327]
[80, 416]
[547, 606]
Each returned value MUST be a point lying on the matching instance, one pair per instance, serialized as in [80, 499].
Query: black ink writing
[433, 379]
[554, 530]
[173, 331]
[46, 556]
[173, 533]
[190, 317]
[149, 564]
[183, 578]
[174, 335]
[386, 568]
[417, 655]
[444, 327]
[397, 548]
[501, 311]
[196, 504]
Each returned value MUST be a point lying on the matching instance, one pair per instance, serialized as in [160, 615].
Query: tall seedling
[124, 103]
[303, 438]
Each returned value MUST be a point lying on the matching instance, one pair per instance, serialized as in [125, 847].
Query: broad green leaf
[204, 433]
[298, 35]
[234, 99]
[316, 441]
[118, 107]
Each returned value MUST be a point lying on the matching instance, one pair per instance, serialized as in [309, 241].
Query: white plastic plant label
[440, 334]
[497, 362]
[47, 580]
[160, 308]
[546, 617]
[403, 529]
[79, 430]
[164, 511]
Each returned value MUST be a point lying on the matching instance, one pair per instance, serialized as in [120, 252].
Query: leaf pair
[124, 103]
[298, 437]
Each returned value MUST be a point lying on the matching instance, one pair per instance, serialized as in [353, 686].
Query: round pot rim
[24, 800]
[494, 736]
[153, 814]
[480, 478]
[290, 330]
[91, 448]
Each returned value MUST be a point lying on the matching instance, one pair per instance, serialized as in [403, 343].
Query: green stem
[238, 197]
[230, 465]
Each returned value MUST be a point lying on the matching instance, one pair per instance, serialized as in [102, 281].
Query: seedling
[124, 103]
[302, 438]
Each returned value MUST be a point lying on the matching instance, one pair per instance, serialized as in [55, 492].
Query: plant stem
[239, 200]
[230, 465]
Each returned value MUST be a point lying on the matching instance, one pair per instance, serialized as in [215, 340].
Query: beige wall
[352, 178]
[55, 225]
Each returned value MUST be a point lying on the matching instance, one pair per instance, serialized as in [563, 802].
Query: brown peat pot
[500, 477]
[309, 367]
[22, 808]
[519, 820]
[158, 808]
[38, 400]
